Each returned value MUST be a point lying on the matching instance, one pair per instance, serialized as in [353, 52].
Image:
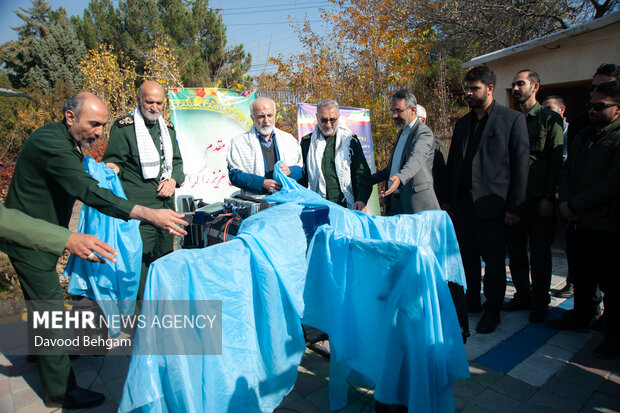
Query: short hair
[327, 102]
[260, 99]
[407, 95]
[558, 98]
[74, 104]
[610, 89]
[532, 76]
[608, 69]
[481, 73]
[420, 111]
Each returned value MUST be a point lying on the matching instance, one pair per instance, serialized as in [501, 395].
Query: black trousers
[539, 232]
[484, 238]
[594, 258]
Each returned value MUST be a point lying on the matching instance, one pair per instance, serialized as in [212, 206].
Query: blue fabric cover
[376, 285]
[114, 285]
[259, 276]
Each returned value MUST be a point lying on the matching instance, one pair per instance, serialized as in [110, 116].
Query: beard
[475, 103]
[151, 116]
[264, 130]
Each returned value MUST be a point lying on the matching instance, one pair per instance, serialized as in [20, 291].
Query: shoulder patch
[125, 121]
[169, 124]
[306, 137]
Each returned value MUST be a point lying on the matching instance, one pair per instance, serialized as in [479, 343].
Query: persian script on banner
[205, 120]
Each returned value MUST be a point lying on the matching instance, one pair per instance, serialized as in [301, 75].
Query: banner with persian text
[205, 120]
[358, 121]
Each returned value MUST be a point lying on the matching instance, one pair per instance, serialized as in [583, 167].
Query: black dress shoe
[517, 304]
[567, 292]
[538, 315]
[488, 322]
[77, 398]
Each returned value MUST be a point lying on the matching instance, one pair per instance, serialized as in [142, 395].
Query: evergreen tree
[46, 52]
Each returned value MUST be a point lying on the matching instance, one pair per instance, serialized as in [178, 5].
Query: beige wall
[567, 60]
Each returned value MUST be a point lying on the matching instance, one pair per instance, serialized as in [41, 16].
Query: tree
[189, 27]
[47, 51]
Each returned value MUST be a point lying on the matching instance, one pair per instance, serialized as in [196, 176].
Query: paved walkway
[521, 367]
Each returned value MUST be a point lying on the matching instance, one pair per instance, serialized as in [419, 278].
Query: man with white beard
[336, 167]
[253, 154]
[144, 152]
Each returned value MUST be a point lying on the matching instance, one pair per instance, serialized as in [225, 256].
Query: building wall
[568, 61]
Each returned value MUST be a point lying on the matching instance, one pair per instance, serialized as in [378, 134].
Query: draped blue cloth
[114, 285]
[376, 285]
[259, 276]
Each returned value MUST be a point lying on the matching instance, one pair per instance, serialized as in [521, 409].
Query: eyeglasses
[599, 106]
[399, 111]
[325, 120]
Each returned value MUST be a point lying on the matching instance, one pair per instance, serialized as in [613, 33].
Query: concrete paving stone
[514, 388]
[459, 404]
[307, 384]
[603, 403]
[570, 340]
[320, 398]
[6, 404]
[483, 375]
[18, 383]
[36, 409]
[303, 405]
[467, 389]
[20, 366]
[293, 396]
[536, 369]
[603, 368]
[579, 375]
[546, 402]
[5, 388]
[515, 321]
[25, 397]
[611, 387]
[555, 352]
[491, 399]
[475, 348]
[113, 368]
[359, 406]
[570, 390]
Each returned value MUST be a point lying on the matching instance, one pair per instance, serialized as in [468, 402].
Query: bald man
[47, 180]
[144, 152]
[252, 155]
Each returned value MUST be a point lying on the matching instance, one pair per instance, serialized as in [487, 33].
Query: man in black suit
[486, 179]
[408, 176]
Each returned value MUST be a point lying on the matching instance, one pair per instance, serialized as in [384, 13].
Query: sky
[262, 27]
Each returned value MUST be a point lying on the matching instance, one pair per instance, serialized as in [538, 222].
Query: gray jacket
[416, 190]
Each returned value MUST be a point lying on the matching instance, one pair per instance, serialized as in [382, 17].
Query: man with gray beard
[144, 152]
[253, 154]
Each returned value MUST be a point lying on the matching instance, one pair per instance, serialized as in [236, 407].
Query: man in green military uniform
[335, 165]
[47, 180]
[546, 137]
[20, 229]
[144, 153]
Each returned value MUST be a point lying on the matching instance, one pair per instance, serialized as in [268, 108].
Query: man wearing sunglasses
[335, 165]
[590, 202]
